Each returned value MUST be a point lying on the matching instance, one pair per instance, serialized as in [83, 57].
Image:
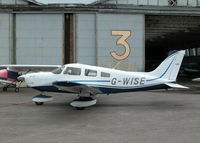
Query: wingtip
[182, 51]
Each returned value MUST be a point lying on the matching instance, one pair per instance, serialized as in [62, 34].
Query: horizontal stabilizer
[196, 79]
[175, 85]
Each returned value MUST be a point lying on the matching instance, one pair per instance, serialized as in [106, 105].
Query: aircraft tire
[80, 108]
[4, 89]
[16, 89]
[39, 103]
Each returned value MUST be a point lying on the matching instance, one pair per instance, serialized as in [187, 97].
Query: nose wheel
[80, 108]
[40, 99]
[39, 103]
[5, 89]
[16, 89]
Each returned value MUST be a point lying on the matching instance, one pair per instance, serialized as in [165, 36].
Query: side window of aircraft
[89, 72]
[104, 74]
[72, 71]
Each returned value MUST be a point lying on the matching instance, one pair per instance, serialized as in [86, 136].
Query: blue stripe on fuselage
[90, 81]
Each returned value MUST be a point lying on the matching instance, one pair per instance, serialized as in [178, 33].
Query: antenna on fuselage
[116, 65]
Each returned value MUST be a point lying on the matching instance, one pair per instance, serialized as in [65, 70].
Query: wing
[34, 68]
[73, 87]
[6, 82]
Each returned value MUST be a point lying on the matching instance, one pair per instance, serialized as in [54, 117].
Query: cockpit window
[58, 70]
[89, 72]
[72, 71]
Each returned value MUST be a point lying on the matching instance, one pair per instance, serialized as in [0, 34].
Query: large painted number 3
[122, 41]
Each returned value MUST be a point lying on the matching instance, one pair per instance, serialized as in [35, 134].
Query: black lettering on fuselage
[142, 81]
[113, 81]
[133, 81]
[126, 81]
[136, 81]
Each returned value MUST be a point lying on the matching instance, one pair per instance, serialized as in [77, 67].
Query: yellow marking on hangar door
[125, 34]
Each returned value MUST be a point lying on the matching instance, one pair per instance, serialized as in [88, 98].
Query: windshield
[58, 70]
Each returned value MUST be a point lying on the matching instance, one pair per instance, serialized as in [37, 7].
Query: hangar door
[39, 38]
[5, 35]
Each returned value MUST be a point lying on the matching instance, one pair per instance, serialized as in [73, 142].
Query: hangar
[133, 33]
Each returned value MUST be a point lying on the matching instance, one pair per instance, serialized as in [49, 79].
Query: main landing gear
[82, 102]
[5, 88]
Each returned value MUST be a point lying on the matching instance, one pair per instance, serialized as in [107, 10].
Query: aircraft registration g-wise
[88, 81]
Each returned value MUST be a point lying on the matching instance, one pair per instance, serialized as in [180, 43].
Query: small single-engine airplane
[88, 81]
[10, 73]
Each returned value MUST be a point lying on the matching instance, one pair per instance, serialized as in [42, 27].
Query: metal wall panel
[13, 2]
[133, 2]
[5, 35]
[152, 2]
[94, 40]
[143, 2]
[163, 2]
[182, 2]
[39, 38]
[8, 1]
[192, 3]
[85, 39]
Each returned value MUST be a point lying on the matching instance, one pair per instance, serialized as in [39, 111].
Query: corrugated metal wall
[94, 40]
[39, 38]
[85, 39]
[5, 37]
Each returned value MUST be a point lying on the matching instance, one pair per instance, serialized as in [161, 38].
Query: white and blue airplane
[87, 81]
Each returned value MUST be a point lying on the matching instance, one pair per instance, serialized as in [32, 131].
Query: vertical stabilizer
[170, 67]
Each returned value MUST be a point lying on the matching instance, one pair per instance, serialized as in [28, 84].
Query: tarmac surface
[162, 116]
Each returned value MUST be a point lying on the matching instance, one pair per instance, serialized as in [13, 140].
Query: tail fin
[170, 67]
